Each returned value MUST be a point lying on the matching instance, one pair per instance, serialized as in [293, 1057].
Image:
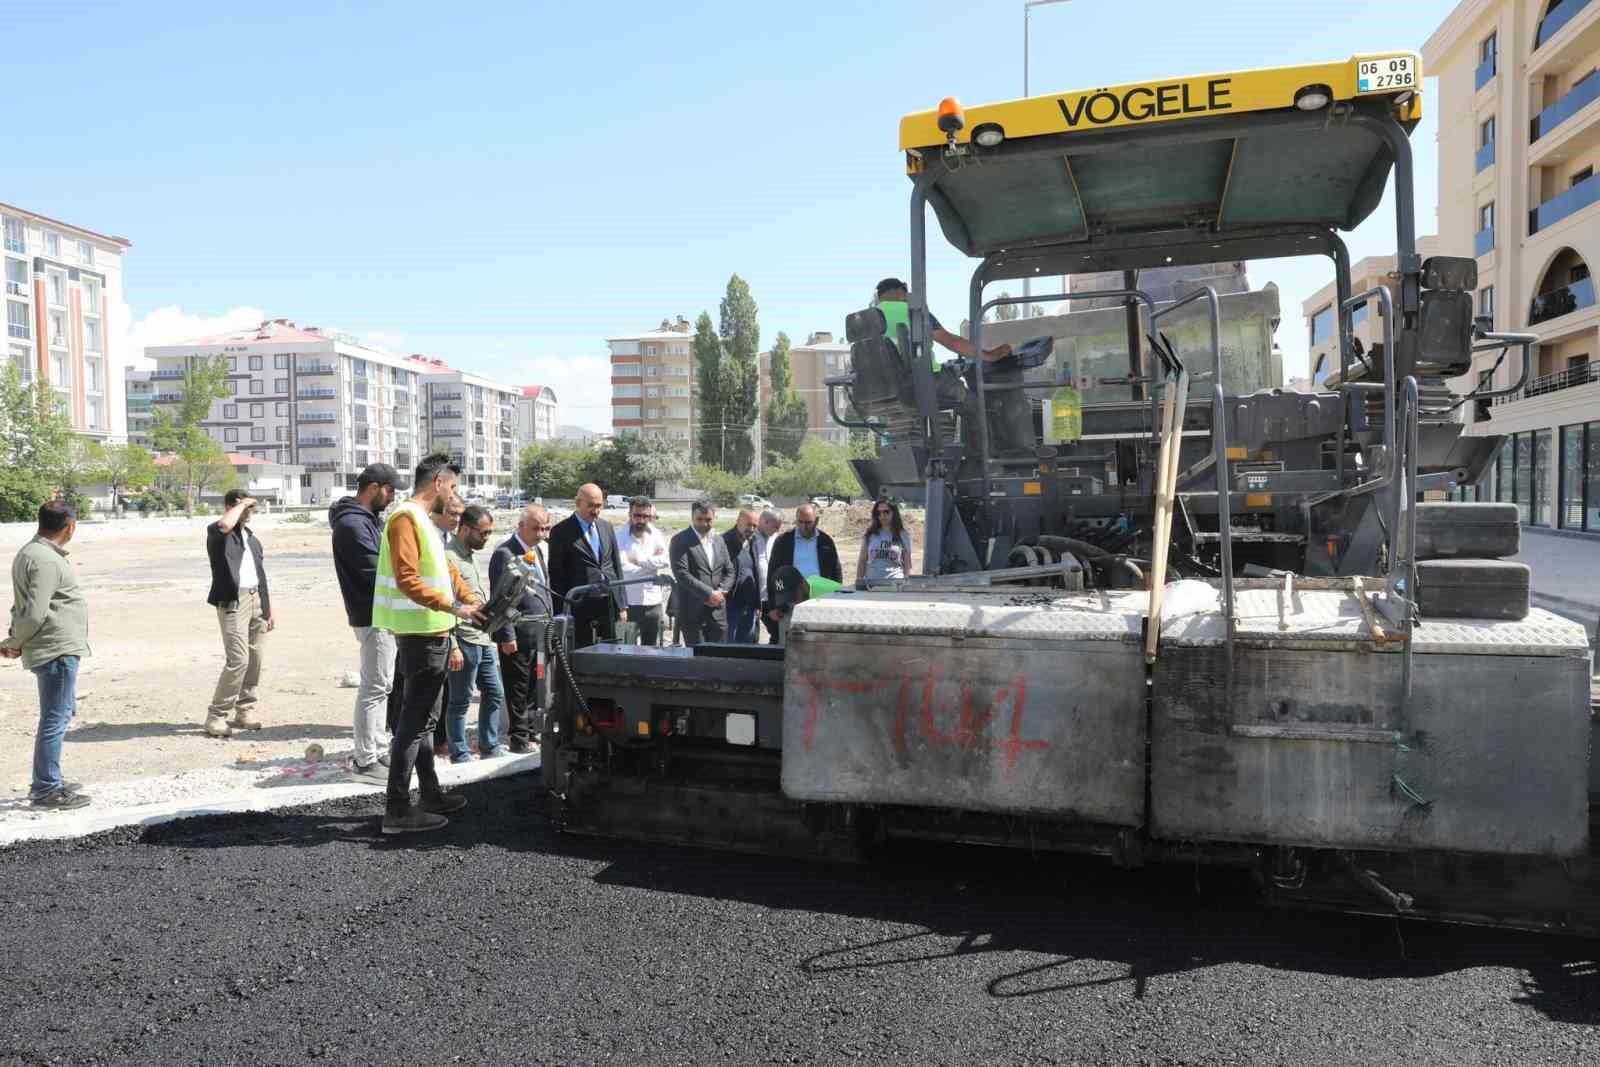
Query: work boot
[217, 726]
[443, 803]
[412, 821]
[244, 720]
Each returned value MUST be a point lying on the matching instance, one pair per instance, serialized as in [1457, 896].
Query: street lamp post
[1027, 13]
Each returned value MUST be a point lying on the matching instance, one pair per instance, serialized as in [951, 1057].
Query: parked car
[755, 502]
[617, 500]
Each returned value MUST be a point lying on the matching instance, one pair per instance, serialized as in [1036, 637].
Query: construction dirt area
[156, 651]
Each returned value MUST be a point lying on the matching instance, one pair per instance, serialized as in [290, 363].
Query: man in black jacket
[805, 548]
[244, 613]
[519, 645]
[583, 551]
[744, 600]
[356, 534]
[703, 576]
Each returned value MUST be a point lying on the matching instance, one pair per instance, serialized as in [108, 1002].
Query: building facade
[653, 383]
[810, 366]
[1366, 324]
[305, 397]
[537, 415]
[472, 419]
[138, 387]
[1519, 141]
[63, 286]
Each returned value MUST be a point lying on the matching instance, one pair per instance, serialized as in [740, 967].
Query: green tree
[787, 416]
[733, 416]
[822, 467]
[200, 469]
[707, 349]
[177, 428]
[1007, 312]
[34, 441]
[632, 465]
[552, 471]
[723, 488]
[122, 469]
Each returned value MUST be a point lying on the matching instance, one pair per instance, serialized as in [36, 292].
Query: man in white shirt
[767, 528]
[704, 575]
[643, 551]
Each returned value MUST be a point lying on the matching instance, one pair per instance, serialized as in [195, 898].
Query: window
[1486, 217]
[1582, 176]
[1543, 477]
[258, 433]
[1486, 301]
[91, 375]
[58, 328]
[230, 411]
[86, 252]
[91, 296]
[280, 362]
[1486, 132]
[57, 288]
[1322, 325]
[1591, 479]
[258, 454]
[1570, 514]
[257, 387]
[281, 409]
[628, 392]
[16, 277]
[14, 236]
[1358, 314]
[257, 410]
[233, 387]
[91, 416]
[255, 362]
[233, 363]
[1578, 273]
[58, 370]
[280, 385]
[1488, 48]
[230, 435]
[91, 335]
[283, 433]
[17, 320]
[52, 244]
[22, 359]
[626, 411]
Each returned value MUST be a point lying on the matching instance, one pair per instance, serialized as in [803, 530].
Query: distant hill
[577, 435]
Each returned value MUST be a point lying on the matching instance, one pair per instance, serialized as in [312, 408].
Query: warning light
[952, 120]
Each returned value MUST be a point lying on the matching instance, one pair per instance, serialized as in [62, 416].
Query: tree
[200, 469]
[1007, 312]
[552, 471]
[707, 349]
[177, 428]
[78, 469]
[787, 415]
[719, 486]
[729, 411]
[123, 468]
[1035, 311]
[34, 437]
[822, 467]
[634, 465]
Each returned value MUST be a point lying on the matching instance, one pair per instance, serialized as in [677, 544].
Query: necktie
[594, 541]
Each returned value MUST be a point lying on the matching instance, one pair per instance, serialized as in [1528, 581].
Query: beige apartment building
[1519, 139]
[653, 383]
[810, 366]
[472, 419]
[63, 284]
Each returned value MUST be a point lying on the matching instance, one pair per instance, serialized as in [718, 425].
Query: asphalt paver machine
[1167, 611]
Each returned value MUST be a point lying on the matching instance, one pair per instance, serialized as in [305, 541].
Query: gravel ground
[267, 939]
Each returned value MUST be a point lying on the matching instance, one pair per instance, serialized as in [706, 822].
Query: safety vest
[392, 610]
[897, 313]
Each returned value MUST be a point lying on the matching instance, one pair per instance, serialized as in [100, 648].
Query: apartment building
[473, 419]
[301, 396]
[810, 365]
[653, 383]
[138, 387]
[537, 415]
[62, 285]
[1519, 141]
[1366, 323]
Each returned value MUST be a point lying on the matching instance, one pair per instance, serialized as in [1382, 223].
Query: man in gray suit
[704, 574]
[519, 645]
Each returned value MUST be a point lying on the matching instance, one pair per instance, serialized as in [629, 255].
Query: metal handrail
[1219, 448]
[1409, 601]
[1386, 313]
[1208, 294]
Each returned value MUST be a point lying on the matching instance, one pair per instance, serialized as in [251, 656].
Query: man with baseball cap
[356, 537]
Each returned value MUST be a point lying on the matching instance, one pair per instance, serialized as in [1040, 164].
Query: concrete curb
[82, 823]
[1586, 611]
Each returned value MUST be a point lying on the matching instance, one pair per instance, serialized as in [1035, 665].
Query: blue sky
[505, 185]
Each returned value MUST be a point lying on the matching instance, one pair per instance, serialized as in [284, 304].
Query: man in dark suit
[520, 645]
[745, 600]
[704, 577]
[805, 548]
[583, 551]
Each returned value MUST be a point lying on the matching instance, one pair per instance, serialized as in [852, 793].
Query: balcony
[446, 394]
[318, 442]
[17, 289]
[169, 398]
[167, 375]
[447, 413]
[15, 244]
[321, 467]
[1484, 159]
[316, 394]
[1571, 378]
[18, 330]
[449, 433]
[1556, 19]
[1563, 301]
[1483, 242]
[1561, 206]
[311, 369]
[1578, 97]
[1485, 73]
[317, 416]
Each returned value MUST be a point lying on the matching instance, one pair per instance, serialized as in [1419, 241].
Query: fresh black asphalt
[307, 935]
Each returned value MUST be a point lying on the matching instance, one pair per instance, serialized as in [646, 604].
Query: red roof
[236, 459]
[532, 390]
[431, 362]
[269, 332]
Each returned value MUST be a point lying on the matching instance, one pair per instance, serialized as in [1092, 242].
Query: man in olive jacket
[50, 634]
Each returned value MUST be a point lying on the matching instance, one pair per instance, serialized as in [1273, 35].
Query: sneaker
[245, 722]
[465, 757]
[498, 751]
[63, 800]
[520, 747]
[444, 803]
[413, 821]
[217, 726]
[375, 771]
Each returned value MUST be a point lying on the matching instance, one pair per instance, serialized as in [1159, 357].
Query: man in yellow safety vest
[418, 596]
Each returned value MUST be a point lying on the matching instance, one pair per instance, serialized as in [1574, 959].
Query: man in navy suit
[704, 576]
[583, 551]
[520, 644]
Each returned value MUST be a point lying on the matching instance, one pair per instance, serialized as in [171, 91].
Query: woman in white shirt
[886, 547]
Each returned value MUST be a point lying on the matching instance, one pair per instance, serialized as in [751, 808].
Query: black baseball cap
[379, 474]
[889, 285]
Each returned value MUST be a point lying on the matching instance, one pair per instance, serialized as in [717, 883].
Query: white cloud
[384, 341]
[582, 385]
[172, 325]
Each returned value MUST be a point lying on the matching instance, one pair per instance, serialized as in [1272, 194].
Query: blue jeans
[58, 700]
[482, 664]
[743, 607]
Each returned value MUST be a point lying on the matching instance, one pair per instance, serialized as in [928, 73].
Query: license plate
[1387, 75]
